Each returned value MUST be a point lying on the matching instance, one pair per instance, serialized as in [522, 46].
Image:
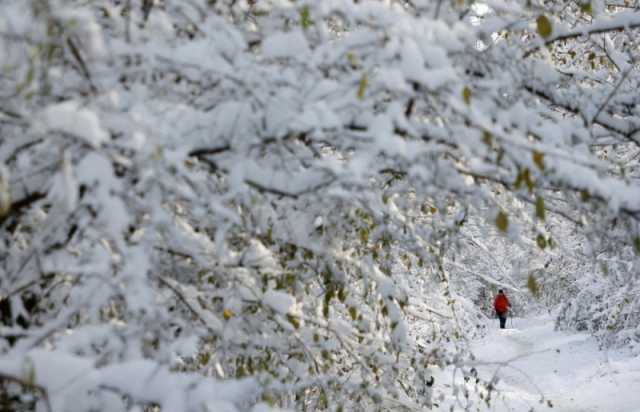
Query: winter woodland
[263, 205]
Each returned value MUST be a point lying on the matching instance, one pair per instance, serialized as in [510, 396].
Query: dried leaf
[540, 210]
[533, 287]
[364, 235]
[5, 197]
[466, 95]
[502, 222]
[364, 82]
[538, 159]
[487, 137]
[293, 321]
[543, 26]
[353, 312]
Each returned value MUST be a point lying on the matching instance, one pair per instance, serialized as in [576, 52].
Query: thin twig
[580, 31]
[262, 188]
[175, 289]
[612, 93]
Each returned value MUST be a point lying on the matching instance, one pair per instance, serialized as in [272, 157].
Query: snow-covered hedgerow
[207, 205]
[605, 294]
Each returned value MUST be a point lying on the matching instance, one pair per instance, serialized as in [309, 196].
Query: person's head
[500, 291]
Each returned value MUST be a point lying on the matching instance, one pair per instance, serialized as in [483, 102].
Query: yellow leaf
[538, 159]
[305, 19]
[353, 312]
[518, 183]
[364, 235]
[227, 314]
[364, 81]
[533, 287]
[5, 198]
[466, 95]
[293, 321]
[544, 26]
[526, 176]
[540, 211]
[204, 358]
[487, 137]
[502, 221]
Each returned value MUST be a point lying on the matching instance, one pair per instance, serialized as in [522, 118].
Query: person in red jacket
[501, 305]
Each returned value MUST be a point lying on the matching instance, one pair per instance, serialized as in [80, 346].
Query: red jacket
[501, 304]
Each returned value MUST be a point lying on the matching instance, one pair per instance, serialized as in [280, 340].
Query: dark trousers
[503, 319]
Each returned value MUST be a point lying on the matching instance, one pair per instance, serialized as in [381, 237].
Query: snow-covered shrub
[605, 301]
[206, 205]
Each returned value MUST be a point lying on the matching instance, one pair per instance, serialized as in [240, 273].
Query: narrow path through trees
[537, 367]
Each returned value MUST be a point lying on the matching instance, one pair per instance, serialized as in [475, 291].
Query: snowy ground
[533, 361]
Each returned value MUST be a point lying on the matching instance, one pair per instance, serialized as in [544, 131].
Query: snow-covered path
[533, 361]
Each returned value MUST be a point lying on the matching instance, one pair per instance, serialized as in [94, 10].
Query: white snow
[84, 25]
[282, 45]
[70, 117]
[412, 61]
[532, 361]
[257, 255]
[279, 301]
[625, 19]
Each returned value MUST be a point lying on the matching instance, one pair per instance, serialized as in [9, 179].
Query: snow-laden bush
[205, 205]
[605, 299]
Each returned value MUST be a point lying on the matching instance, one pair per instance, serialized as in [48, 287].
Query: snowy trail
[533, 361]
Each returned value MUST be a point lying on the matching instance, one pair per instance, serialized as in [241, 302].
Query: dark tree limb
[83, 66]
[281, 192]
[18, 206]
